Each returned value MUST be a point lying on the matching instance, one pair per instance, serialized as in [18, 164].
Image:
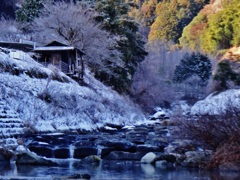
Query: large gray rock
[31, 158]
[89, 160]
[148, 158]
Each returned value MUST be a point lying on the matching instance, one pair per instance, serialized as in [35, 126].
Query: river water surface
[110, 170]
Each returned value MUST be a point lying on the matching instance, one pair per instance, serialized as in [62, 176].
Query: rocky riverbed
[114, 142]
[149, 143]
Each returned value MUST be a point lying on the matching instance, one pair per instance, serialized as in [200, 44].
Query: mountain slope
[49, 101]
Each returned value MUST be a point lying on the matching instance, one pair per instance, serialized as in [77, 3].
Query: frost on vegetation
[28, 66]
[179, 108]
[218, 104]
[65, 106]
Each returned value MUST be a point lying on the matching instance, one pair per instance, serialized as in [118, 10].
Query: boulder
[120, 146]
[43, 150]
[159, 114]
[61, 153]
[180, 147]
[21, 149]
[106, 151]
[137, 139]
[116, 126]
[83, 152]
[196, 158]
[121, 155]
[167, 157]
[148, 158]
[31, 158]
[91, 159]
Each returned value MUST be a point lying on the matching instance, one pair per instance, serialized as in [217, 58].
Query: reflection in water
[148, 169]
[111, 170]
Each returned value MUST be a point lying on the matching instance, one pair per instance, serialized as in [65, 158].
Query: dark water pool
[110, 170]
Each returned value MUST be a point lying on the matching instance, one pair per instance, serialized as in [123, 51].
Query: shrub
[210, 131]
[218, 133]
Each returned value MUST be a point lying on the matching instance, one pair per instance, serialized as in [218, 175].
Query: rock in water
[5, 155]
[148, 158]
[33, 159]
[91, 159]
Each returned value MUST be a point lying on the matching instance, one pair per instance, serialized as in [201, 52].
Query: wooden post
[82, 67]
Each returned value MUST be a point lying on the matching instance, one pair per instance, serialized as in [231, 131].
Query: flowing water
[110, 170]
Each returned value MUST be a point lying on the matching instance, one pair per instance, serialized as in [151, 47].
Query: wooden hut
[66, 58]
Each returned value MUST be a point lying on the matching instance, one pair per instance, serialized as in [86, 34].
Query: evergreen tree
[225, 74]
[114, 15]
[193, 64]
[30, 9]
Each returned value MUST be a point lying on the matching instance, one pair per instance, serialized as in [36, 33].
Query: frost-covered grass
[29, 67]
[48, 105]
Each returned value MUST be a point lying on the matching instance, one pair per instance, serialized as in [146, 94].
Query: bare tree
[73, 24]
[9, 30]
[153, 81]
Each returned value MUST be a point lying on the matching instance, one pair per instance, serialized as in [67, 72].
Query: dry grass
[227, 154]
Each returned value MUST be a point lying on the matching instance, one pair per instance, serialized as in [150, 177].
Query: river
[109, 170]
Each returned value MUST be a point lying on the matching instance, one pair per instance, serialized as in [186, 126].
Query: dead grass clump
[227, 155]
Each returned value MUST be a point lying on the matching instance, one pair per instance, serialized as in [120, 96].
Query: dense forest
[155, 51]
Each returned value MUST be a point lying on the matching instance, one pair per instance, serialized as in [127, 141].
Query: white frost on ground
[71, 106]
[217, 104]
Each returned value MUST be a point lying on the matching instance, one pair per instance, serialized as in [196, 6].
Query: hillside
[49, 101]
[215, 28]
